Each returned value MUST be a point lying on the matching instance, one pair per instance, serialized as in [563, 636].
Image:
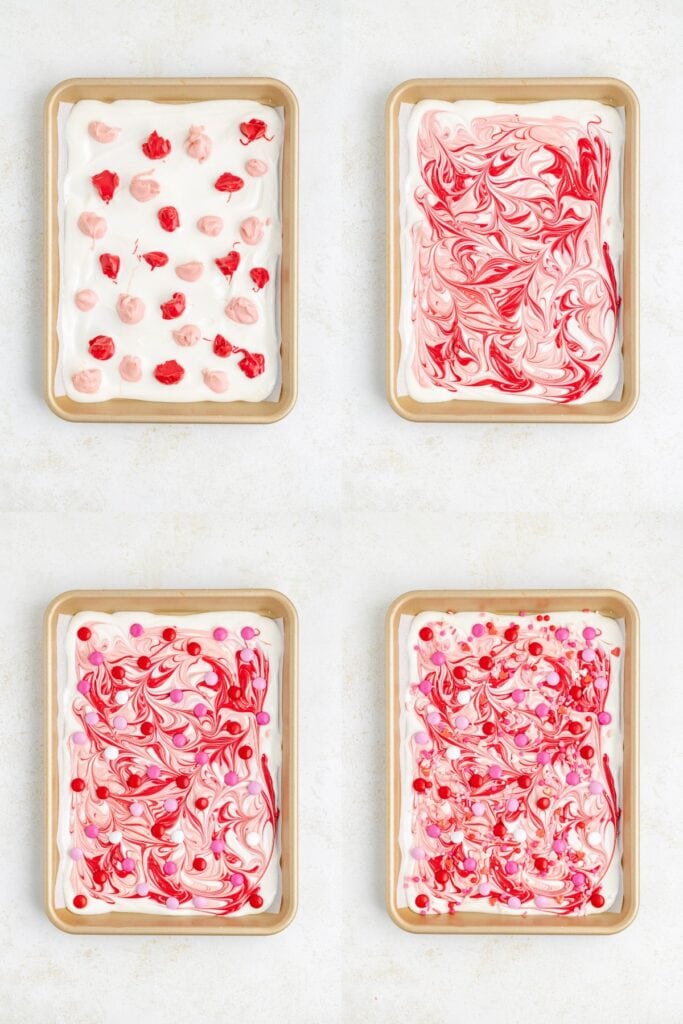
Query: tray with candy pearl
[512, 737]
[512, 256]
[171, 761]
[171, 235]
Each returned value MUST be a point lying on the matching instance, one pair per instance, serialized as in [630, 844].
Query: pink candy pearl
[573, 778]
[578, 879]
[79, 738]
[542, 710]
[136, 629]
[153, 771]
[514, 903]
[179, 740]
[512, 805]
[219, 633]
[484, 888]
[521, 739]
[211, 678]
[231, 778]
[83, 686]
[559, 845]
[478, 808]
[438, 658]
[142, 889]
[417, 853]
[541, 901]
[247, 633]
[236, 879]
[176, 696]
[127, 864]
[495, 771]
[170, 868]
[433, 717]
[92, 831]
[469, 863]
[199, 901]
[589, 634]
[511, 867]
[553, 678]
[217, 846]
[425, 686]
[600, 683]
[604, 717]
[543, 757]
[461, 722]
[595, 787]
[200, 710]
[255, 787]
[96, 658]
[92, 718]
[432, 831]
[247, 655]
[120, 723]
[562, 633]
[201, 757]
[262, 717]
[478, 629]
[259, 683]
[172, 903]
[171, 805]
[76, 853]
[518, 696]
[588, 654]
[136, 809]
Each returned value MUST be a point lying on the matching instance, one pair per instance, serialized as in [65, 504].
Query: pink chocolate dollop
[130, 369]
[143, 188]
[251, 231]
[187, 335]
[86, 299]
[216, 380]
[242, 310]
[256, 168]
[92, 225]
[130, 309]
[198, 145]
[101, 132]
[210, 225]
[190, 271]
[87, 381]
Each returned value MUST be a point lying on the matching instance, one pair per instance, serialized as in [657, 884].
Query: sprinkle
[521, 739]
[92, 718]
[176, 696]
[200, 710]
[519, 834]
[236, 879]
[542, 710]
[231, 778]
[438, 658]
[120, 723]
[136, 809]
[553, 678]
[247, 633]
[142, 889]
[484, 888]
[433, 831]
[542, 902]
[594, 838]
[179, 740]
[253, 839]
[247, 655]
[588, 654]
[114, 838]
[253, 787]
[79, 738]
[177, 835]
[457, 837]
[604, 717]
[478, 808]
[153, 771]
[433, 717]
[83, 686]
[559, 845]
[464, 696]
[110, 753]
[595, 787]
[171, 805]
[543, 757]
[453, 752]
[170, 868]
[511, 867]
[461, 722]
[201, 757]
[589, 634]
[219, 633]
[495, 771]
[518, 696]
[573, 778]
[417, 853]
[262, 717]
[172, 903]
[514, 903]
[259, 683]
[469, 863]
[95, 657]
[211, 678]
[127, 864]
[199, 901]
[478, 629]
[76, 853]
[136, 629]
[217, 846]
[425, 686]
[578, 879]
[600, 683]
[562, 633]
[512, 805]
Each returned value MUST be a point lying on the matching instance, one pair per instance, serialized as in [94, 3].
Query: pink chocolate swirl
[513, 284]
[172, 798]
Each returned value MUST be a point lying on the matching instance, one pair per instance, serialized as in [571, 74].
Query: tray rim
[470, 411]
[180, 601]
[137, 411]
[485, 600]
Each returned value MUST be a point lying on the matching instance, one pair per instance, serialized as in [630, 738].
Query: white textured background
[343, 506]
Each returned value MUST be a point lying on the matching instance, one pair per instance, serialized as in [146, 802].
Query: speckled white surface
[343, 506]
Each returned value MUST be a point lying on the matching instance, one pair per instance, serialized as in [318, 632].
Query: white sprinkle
[594, 838]
[457, 837]
[177, 835]
[464, 696]
[114, 837]
[253, 839]
[110, 753]
[519, 834]
[453, 753]
[121, 697]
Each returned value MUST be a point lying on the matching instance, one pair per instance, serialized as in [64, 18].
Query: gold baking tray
[509, 602]
[176, 90]
[177, 602]
[532, 90]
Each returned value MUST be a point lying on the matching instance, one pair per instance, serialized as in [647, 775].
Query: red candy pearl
[102, 792]
[144, 662]
[233, 727]
[134, 780]
[118, 672]
[476, 780]
[441, 876]
[169, 634]
[422, 901]
[575, 728]
[146, 728]
[419, 785]
[202, 803]
[157, 830]
[510, 634]
[194, 648]
[597, 900]
[541, 864]
[544, 803]
[78, 785]
[485, 662]
[460, 672]
[83, 634]
[535, 648]
[234, 693]
[256, 901]
[524, 781]
[182, 781]
[488, 728]
[80, 902]
[443, 791]
[100, 877]
[426, 634]
[576, 693]
[499, 829]
[199, 864]
[245, 752]
[586, 752]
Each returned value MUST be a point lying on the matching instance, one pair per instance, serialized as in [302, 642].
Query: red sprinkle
[586, 752]
[194, 648]
[476, 781]
[422, 901]
[233, 727]
[460, 672]
[535, 649]
[499, 829]
[488, 728]
[260, 277]
[235, 693]
[170, 372]
[78, 785]
[426, 634]
[541, 864]
[156, 147]
[157, 830]
[169, 634]
[146, 728]
[84, 633]
[228, 183]
[524, 782]
[110, 264]
[199, 864]
[201, 803]
[221, 346]
[80, 902]
[543, 803]
[228, 264]
[118, 672]
[155, 259]
[134, 780]
[99, 876]
[575, 728]
[245, 752]
[102, 792]
[510, 634]
[597, 900]
[254, 129]
[106, 183]
[444, 792]
[256, 901]
[173, 308]
[101, 347]
[182, 781]
[486, 663]
[169, 218]
[144, 662]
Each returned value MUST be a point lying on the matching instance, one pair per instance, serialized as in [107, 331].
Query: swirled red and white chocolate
[512, 242]
[511, 756]
[170, 757]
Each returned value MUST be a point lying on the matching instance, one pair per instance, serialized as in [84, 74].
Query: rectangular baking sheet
[178, 602]
[519, 90]
[175, 90]
[607, 602]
